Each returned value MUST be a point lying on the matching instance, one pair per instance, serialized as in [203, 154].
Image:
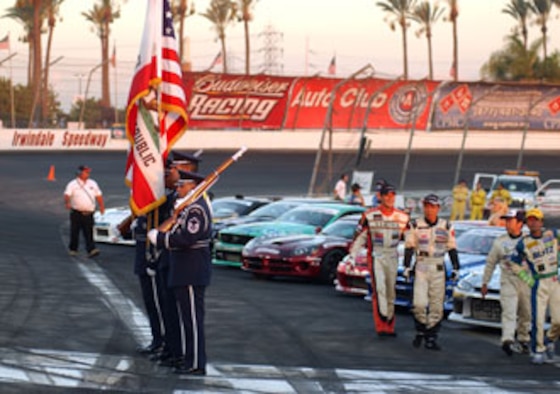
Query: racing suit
[381, 231]
[460, 195]
[541, 255]
[430, 241]
[514, 293]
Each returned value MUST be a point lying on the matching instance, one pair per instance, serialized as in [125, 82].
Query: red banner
[225, 101]
[222, 101]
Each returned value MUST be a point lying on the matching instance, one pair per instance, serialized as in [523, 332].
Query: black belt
[85, 213]
[423, 254]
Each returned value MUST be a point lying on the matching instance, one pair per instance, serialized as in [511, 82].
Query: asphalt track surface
[72, 324]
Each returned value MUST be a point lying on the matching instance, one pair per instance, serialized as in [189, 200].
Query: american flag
[156, 113]
[332, 66]
[217, 61]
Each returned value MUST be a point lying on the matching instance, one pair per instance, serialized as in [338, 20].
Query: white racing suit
[381, 231]
[429, 243]
[514, 293]
[541, 255]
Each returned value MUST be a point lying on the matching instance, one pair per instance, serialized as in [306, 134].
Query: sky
[308, 32]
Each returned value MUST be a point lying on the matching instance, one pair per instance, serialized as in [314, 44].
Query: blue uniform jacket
[188, 242]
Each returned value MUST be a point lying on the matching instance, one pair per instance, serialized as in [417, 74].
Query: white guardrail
[289, 140]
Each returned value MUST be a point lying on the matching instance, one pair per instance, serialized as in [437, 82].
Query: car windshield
[519, 185]
[341, 228]
[475, 241]
[313, 217]
[274, 210]
[223, 208]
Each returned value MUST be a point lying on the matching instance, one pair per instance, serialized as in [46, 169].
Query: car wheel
[328, 265]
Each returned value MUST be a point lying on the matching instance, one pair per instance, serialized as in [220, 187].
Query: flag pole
[12, 99]
[116, 83]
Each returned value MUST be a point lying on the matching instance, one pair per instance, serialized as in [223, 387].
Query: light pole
[37, 92]
[82, 111]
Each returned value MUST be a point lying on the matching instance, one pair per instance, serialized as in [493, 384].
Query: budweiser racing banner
[496, 107]
[225, 101]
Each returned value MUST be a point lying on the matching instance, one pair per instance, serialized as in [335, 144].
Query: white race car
[105, 226]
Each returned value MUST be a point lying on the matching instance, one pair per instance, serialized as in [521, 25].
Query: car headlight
[305, 251]
[465, 285]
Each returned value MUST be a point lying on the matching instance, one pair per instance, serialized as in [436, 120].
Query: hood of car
[473, 280]
[295, 242]
[269, 229]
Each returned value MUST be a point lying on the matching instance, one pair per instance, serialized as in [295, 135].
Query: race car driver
[428, 239]
[539, 249]
[514, 293]
[381, 230]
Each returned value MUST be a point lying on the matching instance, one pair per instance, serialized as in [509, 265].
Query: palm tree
[452, 17]
[246, 16]
[542, 10]
[514, 62]
[52, 8]
[102, 15]
[180, 10]
[520, 11]
[399, 12]
[426, 16]
[221, 13]
[22, 12]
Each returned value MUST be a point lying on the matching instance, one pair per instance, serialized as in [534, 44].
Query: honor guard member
[429, 239]
[514, 293]
[381, 230]
[188, 243]
[460, 196]
[145, 269]
[172, 353]
[478, 200]
[539, 249]
[80, 197]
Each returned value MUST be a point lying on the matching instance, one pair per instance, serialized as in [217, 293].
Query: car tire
[328, 265]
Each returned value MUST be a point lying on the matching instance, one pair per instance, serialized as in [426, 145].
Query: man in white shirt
[340, 188]
[80, 197]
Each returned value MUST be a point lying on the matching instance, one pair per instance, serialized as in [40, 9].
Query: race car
[309, 256]
[105, 226]
[308, 219]
[473, 244]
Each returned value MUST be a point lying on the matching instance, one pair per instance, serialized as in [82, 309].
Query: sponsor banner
[496, 107]
[30, 139]
[226, 101]
[393, 104]
[222, 101]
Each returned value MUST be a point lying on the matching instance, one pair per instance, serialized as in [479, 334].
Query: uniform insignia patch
[193, 225]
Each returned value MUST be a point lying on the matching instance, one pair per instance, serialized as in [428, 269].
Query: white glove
[152, 236]
[406, 273]
[351, 260]
[150, 272]
[454, 275]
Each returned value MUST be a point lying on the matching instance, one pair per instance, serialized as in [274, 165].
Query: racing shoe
[507, 347]
[417, 341]
[537, 358]
[550, 351]
[431, 344]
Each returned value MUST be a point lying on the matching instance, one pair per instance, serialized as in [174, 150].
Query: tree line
[519, 60]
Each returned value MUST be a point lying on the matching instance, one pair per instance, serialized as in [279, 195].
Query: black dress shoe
[160, 356]
[172, 362]
[150, 349]
[184, 370]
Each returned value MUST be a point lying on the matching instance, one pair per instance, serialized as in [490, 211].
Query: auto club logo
[408, 102]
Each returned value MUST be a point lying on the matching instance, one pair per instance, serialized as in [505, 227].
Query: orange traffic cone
[51, 177]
